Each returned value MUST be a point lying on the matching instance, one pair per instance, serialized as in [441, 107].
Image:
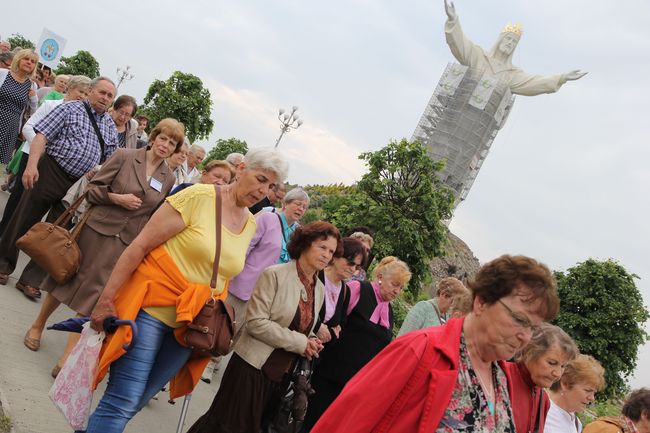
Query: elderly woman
[58, 92]
[539, 365]
[215, 172]
[433, 312]
[333, 315]
[123, 194]
[122, 112]
[367, 331]
[447, 378]
[635, 418]
[582, 379]
[279, 327]
[162, 280]
[17, 95]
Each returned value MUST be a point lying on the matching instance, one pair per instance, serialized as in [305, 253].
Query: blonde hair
[219, 163]
[171, 127]
[544, 338]
[583, 369]
[451, 286]
[25, 54]
[461, 304]
[363, 237]
[393, 266]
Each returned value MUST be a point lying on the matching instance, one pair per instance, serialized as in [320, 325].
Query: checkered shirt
[71, 138]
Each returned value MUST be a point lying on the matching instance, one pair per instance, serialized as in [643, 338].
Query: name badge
[155, 184]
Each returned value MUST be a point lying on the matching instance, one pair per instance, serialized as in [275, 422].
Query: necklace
[488, 391]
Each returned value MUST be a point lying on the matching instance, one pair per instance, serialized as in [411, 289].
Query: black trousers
[16, 192]
[45, 196]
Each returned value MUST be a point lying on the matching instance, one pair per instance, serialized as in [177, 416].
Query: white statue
[499, 60]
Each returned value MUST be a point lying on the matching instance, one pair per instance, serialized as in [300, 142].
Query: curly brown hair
[637, 404]
[503, 275]
[305, 235]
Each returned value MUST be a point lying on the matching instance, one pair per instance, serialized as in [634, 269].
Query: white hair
[195, 148]
[267, 158]
[235, 158]
[295, 194]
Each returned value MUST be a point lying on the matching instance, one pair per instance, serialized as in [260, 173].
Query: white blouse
[560, 421]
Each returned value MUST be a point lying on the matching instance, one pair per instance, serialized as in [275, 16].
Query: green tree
[225, 147]
[182, 97]
[18, 40]
[81, 63]
[602, 309]
[403, 201]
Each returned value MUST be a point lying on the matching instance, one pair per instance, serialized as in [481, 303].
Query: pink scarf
[381, 313]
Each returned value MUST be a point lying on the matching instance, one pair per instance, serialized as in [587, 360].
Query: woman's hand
[323, 334]
[337, 331]
[104, 308]
[314, 346]
[127, 201]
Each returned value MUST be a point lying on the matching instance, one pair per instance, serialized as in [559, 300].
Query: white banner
[483, 90]
[49, 48]
[451, 79]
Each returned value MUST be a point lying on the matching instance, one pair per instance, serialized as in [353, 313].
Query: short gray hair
[7, 57]
[267, 158]
[295, 194]
[234, 157]
[195, 148]
[544, 338]
[96, 81]
[77, 81]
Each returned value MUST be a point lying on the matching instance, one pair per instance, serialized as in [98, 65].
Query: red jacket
[406, 388]
[525, 398]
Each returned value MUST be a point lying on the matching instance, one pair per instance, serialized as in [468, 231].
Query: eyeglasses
[519, 319]
[124, 114]
[353, 264]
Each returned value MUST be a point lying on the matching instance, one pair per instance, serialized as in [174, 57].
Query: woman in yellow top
[162, 281]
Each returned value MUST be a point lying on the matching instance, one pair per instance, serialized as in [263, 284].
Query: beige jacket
[271, 310]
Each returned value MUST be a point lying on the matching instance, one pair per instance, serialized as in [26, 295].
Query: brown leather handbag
[53, 247]
[212, 330]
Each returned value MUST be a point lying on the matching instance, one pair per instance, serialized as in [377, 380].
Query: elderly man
[195, 156]
[5, 47]
[235, 158]
[276, 194]
[70, 147]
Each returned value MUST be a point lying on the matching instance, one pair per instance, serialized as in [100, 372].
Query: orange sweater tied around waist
[157, 282]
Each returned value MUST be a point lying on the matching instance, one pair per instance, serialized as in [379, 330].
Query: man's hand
[573, 75]
[30, 177]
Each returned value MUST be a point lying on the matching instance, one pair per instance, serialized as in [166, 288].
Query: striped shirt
[71, 138]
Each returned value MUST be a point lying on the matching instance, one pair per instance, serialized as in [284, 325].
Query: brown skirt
[99, 253]
[246, 400]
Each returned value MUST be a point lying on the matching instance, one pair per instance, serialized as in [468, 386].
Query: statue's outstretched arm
[573, 75]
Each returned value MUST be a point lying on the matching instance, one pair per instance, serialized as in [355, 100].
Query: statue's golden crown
[513, 28]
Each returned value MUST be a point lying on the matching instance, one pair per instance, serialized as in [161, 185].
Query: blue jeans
[138, 375]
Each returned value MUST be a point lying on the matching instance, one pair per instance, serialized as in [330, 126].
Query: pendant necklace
[489, 395]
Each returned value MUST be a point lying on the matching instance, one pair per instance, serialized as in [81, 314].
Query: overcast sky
[567, 178]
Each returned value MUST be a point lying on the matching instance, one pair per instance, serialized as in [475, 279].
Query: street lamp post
[288, 120]
[124, 75]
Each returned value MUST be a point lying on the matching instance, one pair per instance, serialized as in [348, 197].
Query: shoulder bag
[53, 247]
[212, 330]
[102, 143]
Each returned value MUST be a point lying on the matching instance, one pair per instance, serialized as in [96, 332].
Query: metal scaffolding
[460, 122]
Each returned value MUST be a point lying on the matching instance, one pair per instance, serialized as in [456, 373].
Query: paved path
[25, 375]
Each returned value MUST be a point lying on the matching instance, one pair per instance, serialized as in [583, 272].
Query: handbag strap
[102, 144]
[69, 212]
[217, 252]
[82, 222]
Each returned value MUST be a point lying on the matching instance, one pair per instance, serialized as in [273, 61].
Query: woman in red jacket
[448, 378]
[539, 365]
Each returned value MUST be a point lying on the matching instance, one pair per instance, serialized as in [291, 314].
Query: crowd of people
[478, 356]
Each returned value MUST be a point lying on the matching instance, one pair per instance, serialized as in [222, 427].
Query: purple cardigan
[263, 251]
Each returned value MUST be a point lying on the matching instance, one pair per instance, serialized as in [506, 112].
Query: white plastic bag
[72, 392]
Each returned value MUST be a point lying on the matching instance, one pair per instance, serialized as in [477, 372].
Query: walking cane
[186, 405]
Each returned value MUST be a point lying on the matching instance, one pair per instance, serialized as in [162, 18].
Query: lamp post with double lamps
[289, 120]
[124, 75]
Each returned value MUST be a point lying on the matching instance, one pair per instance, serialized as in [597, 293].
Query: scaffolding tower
[460, 122]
